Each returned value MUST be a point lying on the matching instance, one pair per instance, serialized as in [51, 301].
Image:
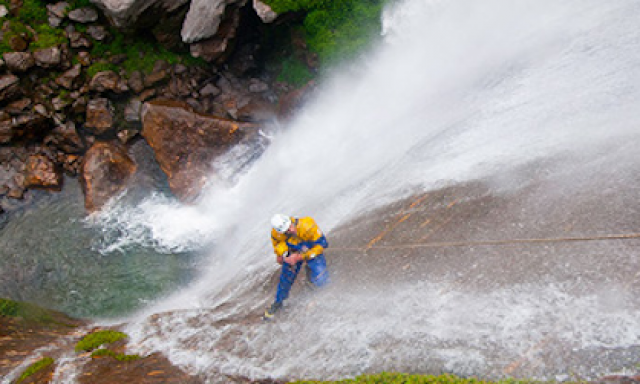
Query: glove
[293, 258]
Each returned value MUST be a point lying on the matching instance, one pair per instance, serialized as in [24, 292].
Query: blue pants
[316, 273]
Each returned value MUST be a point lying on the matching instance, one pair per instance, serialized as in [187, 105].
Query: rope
[491, 242]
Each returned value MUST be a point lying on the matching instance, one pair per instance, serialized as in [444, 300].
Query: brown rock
[160, 73]
[99, 116]
[19, 62]
[84, 58]
[79, 40]
[48, 57]
[9, 87]
[293, 100]
[6, 131]
[17, 107]
[257, 111]
[108, 81]
[105, 170]
[68, 78]
[41, 172]
[217, 48]
[136, 81]
[186, 142]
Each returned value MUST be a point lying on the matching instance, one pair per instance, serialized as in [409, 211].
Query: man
[297, 241]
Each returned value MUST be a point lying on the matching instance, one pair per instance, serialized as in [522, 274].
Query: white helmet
[280, 223]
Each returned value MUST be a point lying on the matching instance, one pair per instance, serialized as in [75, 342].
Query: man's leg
[287, 278]
[317, 271]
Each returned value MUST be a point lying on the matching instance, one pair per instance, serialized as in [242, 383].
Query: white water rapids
[457, 91]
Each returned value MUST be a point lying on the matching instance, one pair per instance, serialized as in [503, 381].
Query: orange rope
[489, 242]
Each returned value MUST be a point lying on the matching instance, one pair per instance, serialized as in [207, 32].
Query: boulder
[48, 57]
[126, 13]
[104, 172]
[41, 172]
[99, 116]
[185, 143]
[264, 11]
[18, 62]
[218, 48]
[204, 18]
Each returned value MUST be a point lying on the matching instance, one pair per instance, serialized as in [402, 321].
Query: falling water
[457, 91]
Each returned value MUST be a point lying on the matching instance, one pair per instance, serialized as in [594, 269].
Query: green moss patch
[96, 339]
[118, 356]
[34, 368]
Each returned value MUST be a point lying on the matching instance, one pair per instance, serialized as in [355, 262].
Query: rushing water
[458, 91]
[51, 255]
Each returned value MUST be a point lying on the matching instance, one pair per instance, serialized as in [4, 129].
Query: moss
[33, 12]
[118, 356]
[295, 72]
[99, 67]
[46, 37]
[35, 367]
[336, 30]
[96, 339]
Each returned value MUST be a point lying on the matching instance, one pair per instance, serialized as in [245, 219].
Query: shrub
[96, 339]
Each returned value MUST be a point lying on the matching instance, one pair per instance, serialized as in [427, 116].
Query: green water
[48, 256]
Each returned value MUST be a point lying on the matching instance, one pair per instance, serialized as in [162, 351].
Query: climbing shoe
[271, 311]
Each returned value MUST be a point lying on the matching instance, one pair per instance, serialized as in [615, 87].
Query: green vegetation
[35, 367]
[337, 29]
[118, 356]
[141, 52]
[401, 378]
[294, 72]
[28, 312]
[30, 23]
[96, 339]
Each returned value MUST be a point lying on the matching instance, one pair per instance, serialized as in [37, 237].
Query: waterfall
[456, 91]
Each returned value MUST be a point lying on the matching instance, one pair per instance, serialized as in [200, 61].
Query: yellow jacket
[308, 240]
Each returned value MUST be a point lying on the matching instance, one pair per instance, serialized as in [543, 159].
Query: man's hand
[293, 258]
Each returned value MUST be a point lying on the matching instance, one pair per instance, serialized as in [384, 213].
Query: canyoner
[297, 241]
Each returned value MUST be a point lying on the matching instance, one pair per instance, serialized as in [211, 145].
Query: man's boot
[271, 311]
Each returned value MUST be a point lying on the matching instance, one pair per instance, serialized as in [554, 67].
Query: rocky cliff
[75, 92]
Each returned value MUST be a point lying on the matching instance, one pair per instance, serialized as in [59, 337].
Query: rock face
[186, 142]
[104, 172]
